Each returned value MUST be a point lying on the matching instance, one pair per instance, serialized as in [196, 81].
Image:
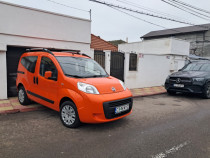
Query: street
[160, 126]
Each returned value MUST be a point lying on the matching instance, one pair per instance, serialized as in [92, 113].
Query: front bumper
[186, 89]
[100, 108]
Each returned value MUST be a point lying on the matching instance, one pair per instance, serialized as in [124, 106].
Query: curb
[21, 110]
[144, 95]
[9, 111]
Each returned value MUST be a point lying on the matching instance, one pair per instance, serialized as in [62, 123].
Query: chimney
[126, 39]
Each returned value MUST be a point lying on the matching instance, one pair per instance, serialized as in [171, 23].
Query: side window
[48, 65]
[29, 63]
[133, 62]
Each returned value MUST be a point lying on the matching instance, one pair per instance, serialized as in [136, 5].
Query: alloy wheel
[21, 95]
[68, 114]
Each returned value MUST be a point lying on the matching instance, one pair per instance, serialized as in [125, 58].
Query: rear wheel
[22, 96]
[206, 91]
[171, 92]
[69, 115]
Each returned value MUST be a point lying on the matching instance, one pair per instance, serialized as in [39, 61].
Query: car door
[47, 88]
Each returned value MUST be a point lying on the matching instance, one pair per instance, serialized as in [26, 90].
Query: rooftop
[99, 44]
[180, 30]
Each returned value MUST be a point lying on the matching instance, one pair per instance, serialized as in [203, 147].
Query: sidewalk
[12, 105]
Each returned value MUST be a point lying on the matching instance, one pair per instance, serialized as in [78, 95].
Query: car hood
[104, 85]
[189, 74]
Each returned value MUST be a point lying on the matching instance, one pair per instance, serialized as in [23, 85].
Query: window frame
[133, 58]
[24, 65]
[52, 78]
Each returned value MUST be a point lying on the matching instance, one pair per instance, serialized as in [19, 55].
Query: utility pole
[90, 14]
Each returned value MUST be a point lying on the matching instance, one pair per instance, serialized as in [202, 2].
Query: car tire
[69, 115]
[22, 96]
[171, 92]
[206, 91]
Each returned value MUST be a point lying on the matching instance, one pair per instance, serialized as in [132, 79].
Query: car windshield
[81, 67]
[197, 67]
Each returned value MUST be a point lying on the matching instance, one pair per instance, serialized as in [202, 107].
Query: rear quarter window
[29, 63]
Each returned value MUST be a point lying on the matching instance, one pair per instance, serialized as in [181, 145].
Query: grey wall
[199, 42]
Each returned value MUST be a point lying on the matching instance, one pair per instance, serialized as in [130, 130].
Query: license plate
[122, 108]
[179, 85]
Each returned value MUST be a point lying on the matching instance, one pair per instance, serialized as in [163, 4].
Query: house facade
[148, 63]
[198, 36]
[23, 27]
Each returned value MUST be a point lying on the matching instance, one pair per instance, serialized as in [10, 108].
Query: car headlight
[123, 85]
[198, 79]
[87, 88]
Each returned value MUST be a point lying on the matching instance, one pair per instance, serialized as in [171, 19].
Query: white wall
[29, 22]
[23, 26]
[152, 70]
[157, 46]
[156, 59]
[107, 60]
[3, 75]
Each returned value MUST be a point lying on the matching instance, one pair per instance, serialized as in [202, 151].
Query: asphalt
[160, 126]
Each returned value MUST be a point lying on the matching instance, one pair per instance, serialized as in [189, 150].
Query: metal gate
[117, 65]
[99, 56]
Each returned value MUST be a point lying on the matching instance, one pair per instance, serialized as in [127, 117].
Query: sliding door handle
[36, 80]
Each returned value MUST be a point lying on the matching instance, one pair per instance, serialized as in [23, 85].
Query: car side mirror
[180, 70]
[48, 74]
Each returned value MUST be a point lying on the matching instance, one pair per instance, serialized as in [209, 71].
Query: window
[81, 67]
[133, 62]
[29, 63]
[48, 65]
[197, 67]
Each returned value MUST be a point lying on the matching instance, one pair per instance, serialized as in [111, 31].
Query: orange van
[73, 84]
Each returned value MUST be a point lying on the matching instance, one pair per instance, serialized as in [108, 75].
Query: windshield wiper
[75, 76]
[95, 76]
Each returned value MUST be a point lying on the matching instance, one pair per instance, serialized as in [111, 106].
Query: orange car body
[91, 107]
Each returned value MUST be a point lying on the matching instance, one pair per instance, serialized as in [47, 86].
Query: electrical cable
[148, 9]
[138, 18]
[203, 10]
[179, 7]
[67, 6]
[140, 12]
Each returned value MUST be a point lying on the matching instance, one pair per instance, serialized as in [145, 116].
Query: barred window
[133, 62]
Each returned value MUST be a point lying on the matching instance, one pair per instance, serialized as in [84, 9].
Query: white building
[156, 59]
[23, 27]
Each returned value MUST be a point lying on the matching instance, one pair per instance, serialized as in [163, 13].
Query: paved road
[160, 126]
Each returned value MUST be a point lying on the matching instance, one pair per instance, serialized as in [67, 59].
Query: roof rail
[39, 49]
[85, 55]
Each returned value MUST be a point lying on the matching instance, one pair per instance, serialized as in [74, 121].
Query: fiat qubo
[73, 84]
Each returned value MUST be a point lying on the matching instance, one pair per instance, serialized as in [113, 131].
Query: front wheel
[22, 96]
[206, 91]
[69, 115]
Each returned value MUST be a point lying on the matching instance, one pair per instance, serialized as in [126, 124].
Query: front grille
[109, 107]
[182, 80]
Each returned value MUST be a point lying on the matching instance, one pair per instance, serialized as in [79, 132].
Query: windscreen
[81, 67]
[197, 67]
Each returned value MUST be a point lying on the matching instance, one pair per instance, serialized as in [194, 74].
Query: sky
[110, 24]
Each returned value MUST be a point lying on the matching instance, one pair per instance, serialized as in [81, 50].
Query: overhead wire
[203, 10]
[67, 6]
[145, 20]
[138, 18]
[189, 10]
[148, 9]
[140, 12]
